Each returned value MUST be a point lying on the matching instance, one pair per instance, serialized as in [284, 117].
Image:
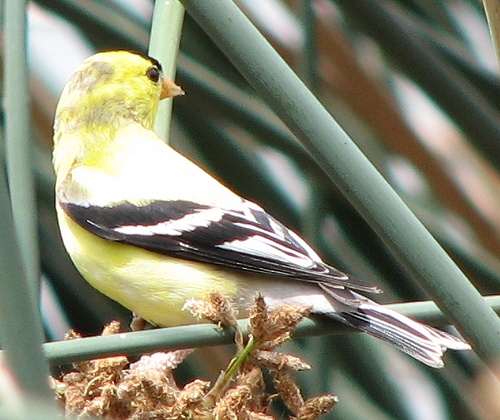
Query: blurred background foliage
[414, 84]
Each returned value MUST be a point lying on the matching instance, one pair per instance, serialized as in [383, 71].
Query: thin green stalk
[351, 171]
[238, 361]
[140, 342]
[18, 140]
[224, 379]
[164, 42]
[492, 9]
[20, 325]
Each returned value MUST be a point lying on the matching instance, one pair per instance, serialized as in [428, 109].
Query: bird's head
[111, 89]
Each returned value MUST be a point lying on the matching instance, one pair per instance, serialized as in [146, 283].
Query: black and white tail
[420, 341]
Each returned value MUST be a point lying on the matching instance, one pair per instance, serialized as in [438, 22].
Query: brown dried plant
[112, 388]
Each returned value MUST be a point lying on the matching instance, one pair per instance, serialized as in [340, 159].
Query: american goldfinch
[151, 230]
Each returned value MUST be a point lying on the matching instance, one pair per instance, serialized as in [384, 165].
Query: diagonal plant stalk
[349, 169]
[492, 9]
[224, 379]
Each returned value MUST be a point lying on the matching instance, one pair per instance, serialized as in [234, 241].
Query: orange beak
[169, 89]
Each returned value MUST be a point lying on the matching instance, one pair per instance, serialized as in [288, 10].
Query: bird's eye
[153, 74]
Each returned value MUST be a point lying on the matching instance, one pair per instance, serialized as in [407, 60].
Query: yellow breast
[153, 286]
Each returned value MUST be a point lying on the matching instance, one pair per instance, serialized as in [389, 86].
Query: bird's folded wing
[243, 238]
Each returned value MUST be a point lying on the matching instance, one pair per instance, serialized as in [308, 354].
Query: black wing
[243, 238]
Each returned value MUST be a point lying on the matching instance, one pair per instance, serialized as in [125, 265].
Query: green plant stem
[238, 361]
[20, 325]
[224, 379]
[351, 171]
[140, 342]
[492, 9]
[164, 42]
[18, 142]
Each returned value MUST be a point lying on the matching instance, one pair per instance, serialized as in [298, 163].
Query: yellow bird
[151, 230]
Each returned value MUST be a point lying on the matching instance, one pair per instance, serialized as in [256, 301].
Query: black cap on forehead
[153, 61]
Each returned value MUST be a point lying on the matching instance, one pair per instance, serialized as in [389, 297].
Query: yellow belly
[153, 286]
